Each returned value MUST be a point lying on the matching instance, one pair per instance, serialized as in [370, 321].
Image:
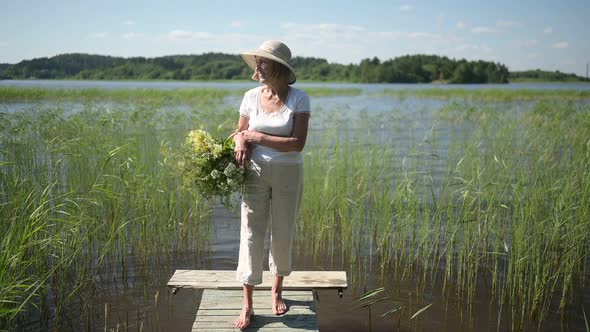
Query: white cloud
[133, 35]
[530, 43]
[340, 27]
[461, 25]
[561, 45]
[195, 42]
[236, 24]
[325, 32]
[482, 30]
[406, 8]
[548, 30]
[334, 34]
[423, 35]
[441, 18]
[188, 35]
[351, 43]
[386, 35]
[472, 47]
[463, 47]
[99, 35]
[129, 22]
[341, 43]
[508, 24]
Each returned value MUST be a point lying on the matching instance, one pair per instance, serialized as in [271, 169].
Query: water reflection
[412, 126]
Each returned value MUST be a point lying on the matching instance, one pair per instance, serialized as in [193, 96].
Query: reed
[509, 212]
[488, 94]
[151, 97]
[490, 190]
[330, 92]
[84, 193]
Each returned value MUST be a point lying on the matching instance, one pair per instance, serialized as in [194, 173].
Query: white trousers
[271, 195]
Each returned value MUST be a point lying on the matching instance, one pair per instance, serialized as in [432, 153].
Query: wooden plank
[260, 309]
[219, 309]
[258, 305]
[224, 279]
[292, 293]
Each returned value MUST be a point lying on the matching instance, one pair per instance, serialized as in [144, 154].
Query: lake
[423, 135]
[73, 84]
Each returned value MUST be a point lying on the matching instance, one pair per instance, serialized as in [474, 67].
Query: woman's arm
[295, 142]
[242, 148]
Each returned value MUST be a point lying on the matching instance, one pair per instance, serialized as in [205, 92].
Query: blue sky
[522, 34]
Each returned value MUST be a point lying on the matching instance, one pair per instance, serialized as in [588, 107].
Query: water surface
[141, 300]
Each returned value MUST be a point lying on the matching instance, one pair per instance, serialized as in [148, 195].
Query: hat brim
[250, 59]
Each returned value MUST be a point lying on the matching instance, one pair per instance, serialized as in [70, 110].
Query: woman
[272, 130]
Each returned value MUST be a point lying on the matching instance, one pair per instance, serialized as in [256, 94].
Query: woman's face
[264, 69]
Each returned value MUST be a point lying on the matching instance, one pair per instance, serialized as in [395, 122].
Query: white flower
[207, 167]
[230, 170]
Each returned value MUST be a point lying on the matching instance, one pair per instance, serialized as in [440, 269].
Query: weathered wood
[219, 309]
[221, 304]
[224, 279]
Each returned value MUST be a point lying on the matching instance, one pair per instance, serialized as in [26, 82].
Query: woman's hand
[241, 149]
[252, 136]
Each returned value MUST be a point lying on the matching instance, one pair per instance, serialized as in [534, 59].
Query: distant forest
[219, 66]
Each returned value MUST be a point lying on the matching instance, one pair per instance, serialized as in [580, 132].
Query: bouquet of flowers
[207, 164]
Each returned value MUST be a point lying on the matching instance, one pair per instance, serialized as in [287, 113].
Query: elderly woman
[272, 130]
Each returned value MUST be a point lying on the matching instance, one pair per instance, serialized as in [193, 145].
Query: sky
[521, 34]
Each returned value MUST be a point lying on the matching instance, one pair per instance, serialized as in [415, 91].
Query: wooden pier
[221, 301]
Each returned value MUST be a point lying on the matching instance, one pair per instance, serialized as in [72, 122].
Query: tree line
[541, 75]
[220, 66]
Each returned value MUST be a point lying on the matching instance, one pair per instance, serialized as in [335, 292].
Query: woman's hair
[279, 72]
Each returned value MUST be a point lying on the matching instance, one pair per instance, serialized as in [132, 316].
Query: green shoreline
[149, 95]
[438, 82]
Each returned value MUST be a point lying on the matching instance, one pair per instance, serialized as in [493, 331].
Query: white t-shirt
[279, 123]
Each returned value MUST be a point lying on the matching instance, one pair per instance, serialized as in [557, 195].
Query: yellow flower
[207, 166]
[201, 142]
[216, 150]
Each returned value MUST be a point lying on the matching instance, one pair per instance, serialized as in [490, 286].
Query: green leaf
[420, 311]
[585, 320]
[391, 311]
[371, 293]
[116, 150]
[368, 304]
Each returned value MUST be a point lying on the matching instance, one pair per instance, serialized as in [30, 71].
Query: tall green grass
[508, 212]
[489, 94]
[82, 194]
[152, 97]
[484, 198]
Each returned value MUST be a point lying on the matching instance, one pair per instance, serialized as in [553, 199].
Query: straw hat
[273, 50]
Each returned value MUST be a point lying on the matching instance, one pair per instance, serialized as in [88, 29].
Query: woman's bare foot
[243, 321]
[247, 312]
[279, 307]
